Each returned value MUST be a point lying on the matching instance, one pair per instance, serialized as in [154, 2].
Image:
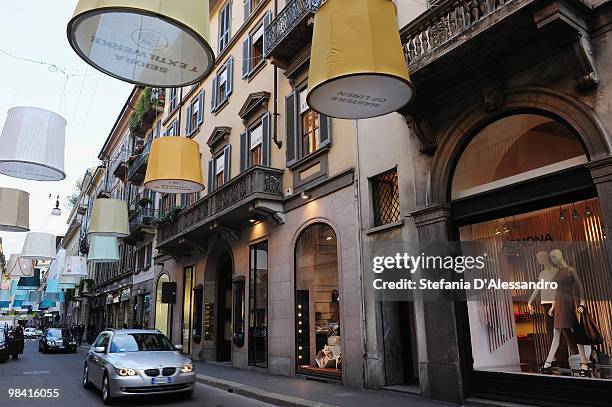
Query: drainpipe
[278, 143]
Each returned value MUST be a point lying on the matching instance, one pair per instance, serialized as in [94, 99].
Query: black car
[57, 340]
[4, 351]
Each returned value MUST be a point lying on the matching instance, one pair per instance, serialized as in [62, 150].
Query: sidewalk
[298, 392]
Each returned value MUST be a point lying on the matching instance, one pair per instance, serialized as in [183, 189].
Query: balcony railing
[143, 217]
[290, 19]
[118, 166]
[138, 166]
[449, 22]
[256, 183]
[104, 189]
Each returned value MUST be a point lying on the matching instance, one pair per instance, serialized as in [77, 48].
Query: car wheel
[106, 397]
[15, 356]
[86, 383]
[39, 347]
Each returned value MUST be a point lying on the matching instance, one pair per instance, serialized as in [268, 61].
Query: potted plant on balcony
[144, 202]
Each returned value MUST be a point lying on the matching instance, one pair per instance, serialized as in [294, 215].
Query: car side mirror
[99, 349]
[178, 347]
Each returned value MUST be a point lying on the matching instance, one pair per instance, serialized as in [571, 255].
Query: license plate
[61, 346]
[160, 380]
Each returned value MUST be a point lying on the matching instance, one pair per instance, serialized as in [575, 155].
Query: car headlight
[50, 342]
[122, 371]
[188, 368]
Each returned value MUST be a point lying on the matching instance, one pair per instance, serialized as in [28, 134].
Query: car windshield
[140, 342]
[59, 333]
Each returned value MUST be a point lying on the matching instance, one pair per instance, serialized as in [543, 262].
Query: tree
[73, 199]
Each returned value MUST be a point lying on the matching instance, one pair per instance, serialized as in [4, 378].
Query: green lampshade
[103, 249]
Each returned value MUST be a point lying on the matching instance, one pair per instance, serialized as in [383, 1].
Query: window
[385, 198]
[307, 131]
[189, 199]
[219, 169]
[255, 144]
[254, 46]
[173, 129]
[222, 85]
[165, 206]
[225, 18]
[195, 114]
[249, 7]
[258, 305]
[173, 98]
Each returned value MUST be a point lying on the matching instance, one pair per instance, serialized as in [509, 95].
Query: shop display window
[516, 330]
[317, 308]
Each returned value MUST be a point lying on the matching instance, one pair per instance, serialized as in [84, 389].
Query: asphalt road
[35, 370]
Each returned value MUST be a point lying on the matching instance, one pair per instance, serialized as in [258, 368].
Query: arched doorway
[224, 308]
[161, 309]
[317, 302]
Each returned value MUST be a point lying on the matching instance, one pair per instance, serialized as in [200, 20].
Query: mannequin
[563, 310]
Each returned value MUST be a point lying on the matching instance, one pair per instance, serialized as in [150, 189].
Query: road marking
[33, 372]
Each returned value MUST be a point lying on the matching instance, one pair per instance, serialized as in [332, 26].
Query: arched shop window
[515, 330]
[317, 308]
[513, 149]
[161, 309]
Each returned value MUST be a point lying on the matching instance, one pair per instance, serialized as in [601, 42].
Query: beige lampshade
[159, 43]
[38, 246]
[109, 217]
[14, 210]
[174, 166]
[357, 64]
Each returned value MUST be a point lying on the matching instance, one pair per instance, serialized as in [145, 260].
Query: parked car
[39, 332]
[29, 333]
[133, 362]
[57, 340]
[4, 354]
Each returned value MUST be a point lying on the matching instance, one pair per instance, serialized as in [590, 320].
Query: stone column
[440, 375]
[601, 171]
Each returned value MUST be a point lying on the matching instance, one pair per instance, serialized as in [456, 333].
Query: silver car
[133, 362]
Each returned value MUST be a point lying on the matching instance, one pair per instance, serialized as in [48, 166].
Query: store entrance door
[224, 310]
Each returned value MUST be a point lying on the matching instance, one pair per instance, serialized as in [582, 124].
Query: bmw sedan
[57, 340]
[132, 362]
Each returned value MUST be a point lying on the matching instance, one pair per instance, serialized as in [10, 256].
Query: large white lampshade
[109, 217]
[18, 267]
[32, 144]
[103, 249]
[159, 43]
[14, 210]
[38, 246]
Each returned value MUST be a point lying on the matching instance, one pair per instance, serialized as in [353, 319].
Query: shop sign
[147, 298]
[125, 294]
[109, 299]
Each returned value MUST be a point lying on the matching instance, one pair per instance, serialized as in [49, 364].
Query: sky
[89, 101]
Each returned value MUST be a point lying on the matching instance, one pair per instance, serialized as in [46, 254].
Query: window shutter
[244, 151]
[247, 9]
[177, 128]
[227, 155]
[324, 130]
[230, 75]
[201, 110]
[188, 126]
[211, 176]
[220, 31]
[290, 130]
[213, 98]
[246, 57]
[267, 21]
[265, 144]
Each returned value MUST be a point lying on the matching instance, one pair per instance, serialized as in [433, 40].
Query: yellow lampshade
[14, 210]
[357, 64]
[109, 217]
[160, 43]
[174, 166]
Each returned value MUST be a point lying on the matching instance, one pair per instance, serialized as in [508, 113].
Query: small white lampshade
[56, 212]
[38, 246]
[75, 266]
[109, 217]
[103, 249]
[32, 143]
[17, 267]
[14, 210]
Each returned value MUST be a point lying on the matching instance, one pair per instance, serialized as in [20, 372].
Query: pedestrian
[80, 333]
[90, 333]
[125, 326]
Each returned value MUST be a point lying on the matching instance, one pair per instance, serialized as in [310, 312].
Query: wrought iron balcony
[119, 168]
[290, 31]
[138, 165]
[104, 190]
[142, 223]
[148, 108]
[253, 195]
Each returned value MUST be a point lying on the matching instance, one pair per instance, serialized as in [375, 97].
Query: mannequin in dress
[547, 296]
[563, 309]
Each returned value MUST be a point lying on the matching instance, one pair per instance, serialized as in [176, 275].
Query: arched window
[161, 309]
[513, 149]
[317, 311]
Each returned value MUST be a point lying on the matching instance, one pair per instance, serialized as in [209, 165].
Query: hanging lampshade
[174, 166]
[18, 267]
[161, 43]
[14, 210]
[103, 249]
[32, 143]
[357, 64]
[109, 217]
[38, 246]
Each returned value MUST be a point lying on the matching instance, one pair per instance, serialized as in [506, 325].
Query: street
[63, 372]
